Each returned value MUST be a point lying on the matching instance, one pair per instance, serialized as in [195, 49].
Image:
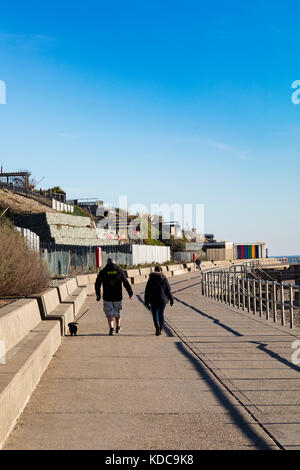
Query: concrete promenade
[217, 379]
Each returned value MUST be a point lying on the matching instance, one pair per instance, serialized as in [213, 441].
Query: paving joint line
[277, 443]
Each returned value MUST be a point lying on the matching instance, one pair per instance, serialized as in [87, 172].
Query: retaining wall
[136, 276]
[61, 229]
[30, 334]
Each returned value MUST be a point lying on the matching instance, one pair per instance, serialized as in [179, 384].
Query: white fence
[31, 238]
[142, 254]
[61, 206]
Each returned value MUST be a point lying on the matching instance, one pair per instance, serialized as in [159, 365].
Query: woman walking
[157, 295]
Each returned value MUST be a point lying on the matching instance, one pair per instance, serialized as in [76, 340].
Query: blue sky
[161, 101]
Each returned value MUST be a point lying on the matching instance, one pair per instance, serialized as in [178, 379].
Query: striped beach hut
[249, 250]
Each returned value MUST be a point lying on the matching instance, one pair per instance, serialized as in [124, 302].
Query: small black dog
[73, 328]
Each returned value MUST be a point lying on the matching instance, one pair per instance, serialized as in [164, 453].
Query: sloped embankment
[19, 205]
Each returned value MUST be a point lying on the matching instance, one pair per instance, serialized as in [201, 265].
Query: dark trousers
[158, 314]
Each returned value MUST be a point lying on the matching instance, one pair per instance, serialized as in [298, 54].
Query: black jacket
[158, 290]
[111, 278]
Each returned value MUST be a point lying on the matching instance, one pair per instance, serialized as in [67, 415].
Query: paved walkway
[217, 379]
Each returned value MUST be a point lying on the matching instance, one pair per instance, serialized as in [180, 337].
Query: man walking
[157, 295]
[111, 277]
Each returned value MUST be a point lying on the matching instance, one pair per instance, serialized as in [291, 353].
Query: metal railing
[289, 259]
[26, 191]
[271, 300]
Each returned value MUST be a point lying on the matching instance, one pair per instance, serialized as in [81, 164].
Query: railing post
[214, 286]
[254, 296]
[267, 301]
[260, 298]
[233, 291]
[291, 306]
[238, 292]
[208, 285]
[243, 293]
[229, 289]
[274, 302]
[282, 304]
[248, 296]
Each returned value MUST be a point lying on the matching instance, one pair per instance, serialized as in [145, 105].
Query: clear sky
[162, 101]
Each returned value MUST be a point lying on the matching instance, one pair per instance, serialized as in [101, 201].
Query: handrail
[268, 298]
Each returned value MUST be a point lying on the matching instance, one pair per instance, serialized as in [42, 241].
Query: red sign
[98, 257]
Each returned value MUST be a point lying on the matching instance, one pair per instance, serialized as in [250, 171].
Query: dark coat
[158, 290]
[112, 278]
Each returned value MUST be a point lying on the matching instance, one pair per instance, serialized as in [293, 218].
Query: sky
[162, 102]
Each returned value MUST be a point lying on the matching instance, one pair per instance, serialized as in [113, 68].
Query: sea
[288, 259]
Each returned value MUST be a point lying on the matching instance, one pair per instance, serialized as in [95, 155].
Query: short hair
[158, 269]
[111, 260]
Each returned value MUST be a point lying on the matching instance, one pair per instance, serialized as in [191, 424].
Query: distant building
[15, 179]
[90, 205]
[219, 251]
[166, 229]
[209, 238]
[250, 250]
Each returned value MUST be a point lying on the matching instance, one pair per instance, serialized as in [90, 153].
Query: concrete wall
[30, 331]
[30, 344]
[61, 229]
[16, 320]
[136, 276]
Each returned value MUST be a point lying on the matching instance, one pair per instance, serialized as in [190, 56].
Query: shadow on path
[215, 320]
[263, 347]
[237, 417]
[248, 430]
